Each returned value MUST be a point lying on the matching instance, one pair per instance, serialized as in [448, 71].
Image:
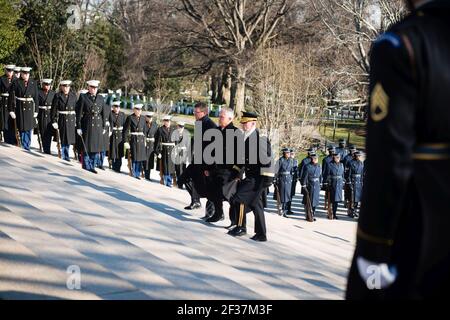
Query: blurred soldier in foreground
[46, 96]
[403, 239]
[64, 117]
[116, 148]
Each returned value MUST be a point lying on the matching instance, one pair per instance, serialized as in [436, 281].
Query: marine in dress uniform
[284, 177]
[106, 133]
[91, 124]
[163, 148]
[116, 144]
[152, 127]
[134, 137]
[46, 130]
[5, 121]
[354, 179]
[180, 150]
[63, 117]
[311, 181]
[403, 228]
[335, 181]
[23, 102]
[258, 176]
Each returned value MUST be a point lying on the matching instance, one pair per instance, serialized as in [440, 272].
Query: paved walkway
[132, 239]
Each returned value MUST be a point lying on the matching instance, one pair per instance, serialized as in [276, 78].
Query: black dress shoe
[93, 171]
[230, 226]
[258, 237]
[139, 178]
[192, 206]
[289, 212]
[101, 168]
[335, 218]
[215, 219]
[237, 232]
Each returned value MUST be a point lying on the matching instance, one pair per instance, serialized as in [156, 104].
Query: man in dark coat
[284, 180]
[63, 117]
[91, 124]
[335, 180]
[152, 127]
[163, 148]
[256, 161]
[311, 181]
[5, 83]
[194, 177]
[305, 161]
[134, 137]
[223, 171]
[23, 105]
[116, 144]
[46, 130]
[354, 179]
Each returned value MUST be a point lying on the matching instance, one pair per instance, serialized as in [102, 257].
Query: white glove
[159, 156]
[55, 125]
[104, 131]
[376, 275]
[126, 145]
[110, 133]
[12, 114]
[80, 132]
[107, 124]
[35, 114]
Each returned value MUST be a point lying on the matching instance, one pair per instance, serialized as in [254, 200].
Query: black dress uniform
[44, 118]
[116, 151]
[6, 123]
[152, 127]
[180, 153]
[105, 148]
[63, 113]
[295, 178]
[258, 176]
[164, 147]
[284, 178]
[134, 133]
[91, 119]
[336, 181]
[404, 219]
[311, 180]
[24, 101]
[303, 163]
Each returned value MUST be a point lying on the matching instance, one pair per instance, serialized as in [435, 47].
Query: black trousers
[248, 198]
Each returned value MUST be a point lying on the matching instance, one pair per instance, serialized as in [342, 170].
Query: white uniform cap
[10, 66]
[181, 123]
[167, 118]
[149, 113]
[93, 83]
[84, 91]
[138, 106]
[26, 69]
[47, 81]
[65, 83]
[17, 69]
[116, 103]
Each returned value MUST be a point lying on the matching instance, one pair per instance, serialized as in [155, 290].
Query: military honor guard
[341, 149]
[116, 144]
[45, 128]
[335, 181]
[305, 161]
[150, 132]
[23, 102]
[258, 176]
[63, 117]
[354, 180]
[163, 148]
[284, 177]
[6, 125]
[91, 124]
[311, 181]
[295, 178]
[180, 151]
[134, 137]
[106, 134]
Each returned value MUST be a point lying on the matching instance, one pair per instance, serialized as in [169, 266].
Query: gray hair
[228, 111]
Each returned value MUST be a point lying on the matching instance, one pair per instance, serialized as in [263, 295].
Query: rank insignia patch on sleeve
[379, 103]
